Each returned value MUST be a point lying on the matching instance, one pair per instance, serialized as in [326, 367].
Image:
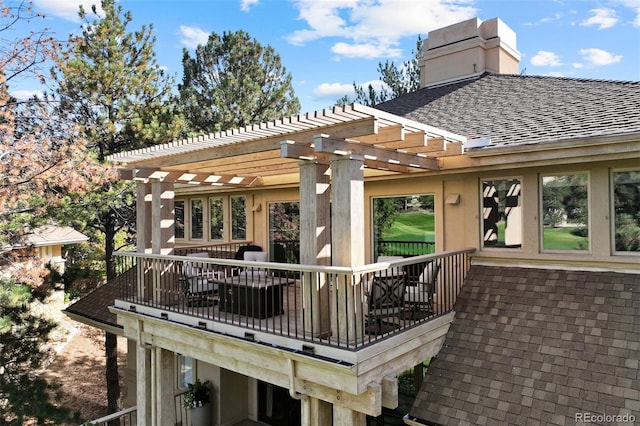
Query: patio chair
[255, 256]
[420, 289]
[385, 301]
[198, 277]
[240, 256]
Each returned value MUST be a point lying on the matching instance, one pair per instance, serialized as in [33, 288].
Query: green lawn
[412, 226]
[563, 239]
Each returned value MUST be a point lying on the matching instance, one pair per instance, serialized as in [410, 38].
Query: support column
[315, 243]
[143, 238]
[347, 230]
[345, 416]
[143, 384]
[319, 411]
[164, 392]
[143, 216]
[162, 218]
[162, 235]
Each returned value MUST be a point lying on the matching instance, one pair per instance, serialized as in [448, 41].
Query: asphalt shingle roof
[513, 109]
[535, 347]
[95, 305]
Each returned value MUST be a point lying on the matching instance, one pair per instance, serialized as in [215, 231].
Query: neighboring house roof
[53, 235]
[514, 109]
[536, 346]
[93, 309]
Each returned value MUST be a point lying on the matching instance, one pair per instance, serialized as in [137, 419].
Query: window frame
[184, 215]
[232, 237]
[481, 206]
[372, 218]
[612, 205]
[222, 211]
[194, 370]
[202, 216]
[541, 177]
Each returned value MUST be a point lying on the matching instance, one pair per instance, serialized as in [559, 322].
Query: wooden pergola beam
[374, 153]
[151, 174]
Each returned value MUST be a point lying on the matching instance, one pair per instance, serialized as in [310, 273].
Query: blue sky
[328, 44]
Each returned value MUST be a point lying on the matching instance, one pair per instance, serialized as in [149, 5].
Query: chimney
[468, 49]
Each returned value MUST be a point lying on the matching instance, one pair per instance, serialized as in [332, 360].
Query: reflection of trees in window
[626, 186]
[403, 225]
[196, 219]
[284, 231]
[565, 212]
[502, 213]
[216, 218]
[238, 218]
[179, 218]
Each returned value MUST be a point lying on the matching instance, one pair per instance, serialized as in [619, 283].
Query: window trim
[588, 250]
[191, 228]
[612, 212]
[504, 248]
[209, 211]
[184, 221]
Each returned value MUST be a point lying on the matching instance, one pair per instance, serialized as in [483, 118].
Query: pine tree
[110, 84]
[234, 81]
[397, 81]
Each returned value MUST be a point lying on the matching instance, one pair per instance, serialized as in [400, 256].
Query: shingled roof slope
[515, 109]
[535, 347]
[94, 306]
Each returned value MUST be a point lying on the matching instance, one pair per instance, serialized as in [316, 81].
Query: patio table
[255, 296]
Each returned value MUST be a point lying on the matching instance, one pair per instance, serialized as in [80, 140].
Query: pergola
[268, 152]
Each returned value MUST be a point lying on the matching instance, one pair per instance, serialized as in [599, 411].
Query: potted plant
[197, 398]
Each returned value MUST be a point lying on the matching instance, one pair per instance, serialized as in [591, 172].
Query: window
[179, 218]
[626, 210]
[565, 212]
[502, 213]
[403, 225]
[186, 371]
[216, 218]
[284, 232]
[238, 218]
[196, 219]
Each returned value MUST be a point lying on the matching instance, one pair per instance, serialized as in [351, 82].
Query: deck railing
[126, 417]
[328, 305]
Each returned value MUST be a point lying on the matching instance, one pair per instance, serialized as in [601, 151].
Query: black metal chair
[385, 301]
[422, 279]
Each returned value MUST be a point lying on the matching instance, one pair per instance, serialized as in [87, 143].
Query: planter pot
[201, 416]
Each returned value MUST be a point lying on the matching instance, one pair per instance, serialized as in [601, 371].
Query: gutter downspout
[292, 381]
[411, 421]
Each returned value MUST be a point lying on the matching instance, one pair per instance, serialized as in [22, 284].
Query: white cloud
[366, 50]
[23, 95]
[634, 5]
[602, 18]
[379, 23]
[599, 57]
[556, 74]
[578, 65]
[333, 90]
[546, 59]
[191, 37]
[245, 5]
[66, 9]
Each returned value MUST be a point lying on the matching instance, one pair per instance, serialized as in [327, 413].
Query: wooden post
[347, 230]
[143, 238]
[162, 232]
[165, 412]
[143, 382]
[315, 243]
